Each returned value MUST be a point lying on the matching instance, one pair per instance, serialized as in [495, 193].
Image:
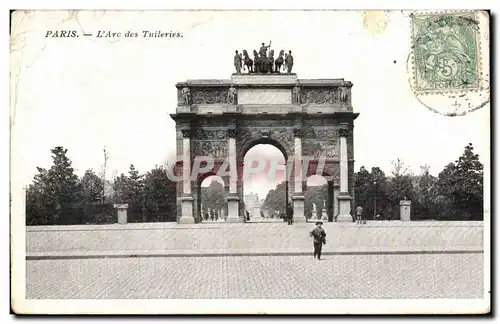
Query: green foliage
[53, 192]
[40, 204]
[456, 194]
[92, 188]
[275, 202]
[128, 189]
[213, 196]
[425, 204]
[151, 197]
[57, 196]
[91, 197]
[400, 186]
[371, 191]
[317, 195]
[461, 183]
[62, 181]
[159, 194]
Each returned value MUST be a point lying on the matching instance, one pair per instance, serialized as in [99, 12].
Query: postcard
[250, 162]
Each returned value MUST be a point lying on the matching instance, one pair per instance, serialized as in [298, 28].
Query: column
[298, 195]
[344, 199]
[232, 198]
[187, 216]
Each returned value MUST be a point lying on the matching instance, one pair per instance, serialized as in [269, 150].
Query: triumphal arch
[223, 119]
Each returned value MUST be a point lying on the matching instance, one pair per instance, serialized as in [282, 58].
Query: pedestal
[324, 215]
[344, 201]
[298, 209]
[121, 213]
[187, 210]
[405, 210]
[233, 209]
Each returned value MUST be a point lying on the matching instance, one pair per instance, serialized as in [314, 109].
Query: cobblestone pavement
[349, 276]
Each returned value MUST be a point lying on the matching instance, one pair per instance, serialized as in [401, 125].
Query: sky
[87, 93]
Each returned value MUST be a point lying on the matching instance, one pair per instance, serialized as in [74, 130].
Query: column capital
[343, 132]
[186, 133]
[297, 131]
[231, 132]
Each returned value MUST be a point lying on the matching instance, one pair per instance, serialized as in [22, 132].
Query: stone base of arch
[187, 210]
[233, 210]
[344, 200]
[298, 209]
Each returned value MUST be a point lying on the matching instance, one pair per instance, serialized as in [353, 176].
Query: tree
[55, 194]
[40, 205]
[378, 192]
[64, 184]
[104, 169]
[425, 193]
[159, 194]
[362, 185]
[461, 183]
[213, 196]
[401, 185]
[276, 200]
[95, 212]
[128, 189]
[371, 190]
[92, 188]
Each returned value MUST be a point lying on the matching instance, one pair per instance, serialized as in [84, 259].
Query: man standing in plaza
[359, 215]
[289, 215]
[319, 238]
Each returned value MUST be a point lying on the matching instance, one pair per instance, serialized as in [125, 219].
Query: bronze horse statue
[248, 61]
[263, 64]
[279, 62]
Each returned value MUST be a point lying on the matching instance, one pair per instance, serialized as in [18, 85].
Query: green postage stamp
[446, 51]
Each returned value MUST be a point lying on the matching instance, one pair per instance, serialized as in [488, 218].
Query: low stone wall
[239, 237]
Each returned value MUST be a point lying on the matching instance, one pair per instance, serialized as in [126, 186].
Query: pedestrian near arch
[319, 238]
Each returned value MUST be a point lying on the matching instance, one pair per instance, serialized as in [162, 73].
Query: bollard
[405, 210]
[122, 213]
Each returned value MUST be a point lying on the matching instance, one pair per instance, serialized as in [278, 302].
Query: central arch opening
[212, 200]
[265, 185]
[318, 203]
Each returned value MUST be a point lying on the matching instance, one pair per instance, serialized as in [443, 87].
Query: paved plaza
[346, 276]
[218, 261]
[171, 238]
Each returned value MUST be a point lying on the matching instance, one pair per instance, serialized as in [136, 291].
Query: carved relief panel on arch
[187, 96]
[210, 134]
[323, 96]
[321, 149]
[215, 149]
[317, 96]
